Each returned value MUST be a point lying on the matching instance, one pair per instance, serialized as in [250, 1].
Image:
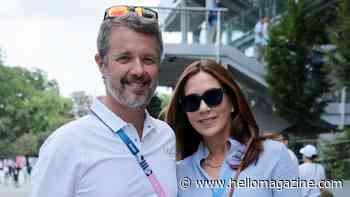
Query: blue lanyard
[219, 191]
[139, 158]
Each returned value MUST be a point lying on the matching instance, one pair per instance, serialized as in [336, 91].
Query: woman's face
[208, 121]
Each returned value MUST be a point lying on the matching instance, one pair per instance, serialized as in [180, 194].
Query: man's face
[131, 67]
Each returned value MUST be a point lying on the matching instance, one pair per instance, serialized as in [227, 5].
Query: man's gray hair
[136, 23]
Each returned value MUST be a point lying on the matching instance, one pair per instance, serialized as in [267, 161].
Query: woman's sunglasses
[119, 11]
[211, 97]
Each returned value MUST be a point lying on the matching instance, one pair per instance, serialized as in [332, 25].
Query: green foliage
[295, 84]
[82, 102]
[1, 63]
[158, 105]
[46, 110]
[154, 107]
[336, 155]
[340, 37]
[165, 97]
[30, 104]
[27, 144]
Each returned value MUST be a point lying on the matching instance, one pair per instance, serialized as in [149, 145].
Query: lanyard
[219, 191]
[139, 158]
[228, 173]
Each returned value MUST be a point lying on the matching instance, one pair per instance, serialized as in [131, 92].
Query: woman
[217, 138]
[311, 171]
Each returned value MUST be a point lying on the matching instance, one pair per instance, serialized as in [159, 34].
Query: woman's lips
[207, 120]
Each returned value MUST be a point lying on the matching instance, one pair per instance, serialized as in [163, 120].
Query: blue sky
[58, 37]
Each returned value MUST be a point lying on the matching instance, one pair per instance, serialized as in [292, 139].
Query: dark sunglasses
[211, 97]
[122, 10]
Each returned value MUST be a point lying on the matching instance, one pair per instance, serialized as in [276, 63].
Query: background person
[310, 170]
[218, 138]
[2, 172]
[282, 137]
[118, 149]
[261, 37]
[285, 141]
[213, 22]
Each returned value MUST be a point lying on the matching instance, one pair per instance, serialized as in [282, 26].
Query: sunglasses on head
[211, 97]
[122, 10]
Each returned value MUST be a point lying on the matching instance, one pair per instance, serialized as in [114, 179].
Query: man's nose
[138, 68]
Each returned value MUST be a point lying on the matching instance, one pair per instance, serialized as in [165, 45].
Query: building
[189, 34]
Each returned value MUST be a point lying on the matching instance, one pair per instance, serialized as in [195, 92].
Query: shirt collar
[235, 153]
[149, 125]
[115, 122]
[107, 116]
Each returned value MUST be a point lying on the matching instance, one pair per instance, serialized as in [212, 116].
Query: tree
[296, 81]
[26, 144]
[46, 111]
[154, 107]
[165, 97]
[29, 105]
[336, 156]
[1, 63]
[340, 37]
[81, 103]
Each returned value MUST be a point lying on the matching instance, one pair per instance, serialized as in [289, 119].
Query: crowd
[16, 171]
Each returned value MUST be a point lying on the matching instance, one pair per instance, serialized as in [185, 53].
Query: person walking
[309, 170]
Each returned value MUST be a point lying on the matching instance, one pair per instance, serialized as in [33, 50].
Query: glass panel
[191, 25]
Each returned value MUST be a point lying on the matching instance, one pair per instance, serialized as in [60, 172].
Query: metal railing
[217, 26]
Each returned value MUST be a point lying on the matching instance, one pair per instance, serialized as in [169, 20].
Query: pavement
[12, 191]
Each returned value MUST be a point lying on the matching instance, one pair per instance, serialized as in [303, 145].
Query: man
[282, 137]
[118, 149]
[261, 37]
[285, 140]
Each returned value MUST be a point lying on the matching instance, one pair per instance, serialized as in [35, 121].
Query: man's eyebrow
[148, 55]
[151, 55]
[120, 54]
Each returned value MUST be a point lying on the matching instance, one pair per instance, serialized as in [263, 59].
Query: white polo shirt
[85, 159]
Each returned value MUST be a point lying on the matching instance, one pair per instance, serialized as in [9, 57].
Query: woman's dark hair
[244, 127]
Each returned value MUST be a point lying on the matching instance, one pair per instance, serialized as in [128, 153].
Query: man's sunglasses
[211, 97]
[122, 10]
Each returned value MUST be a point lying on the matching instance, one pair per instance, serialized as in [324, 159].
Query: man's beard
[117, 93]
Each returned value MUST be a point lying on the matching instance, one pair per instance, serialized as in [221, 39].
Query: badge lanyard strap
[219, 191]
[240, 168]
[139, 158]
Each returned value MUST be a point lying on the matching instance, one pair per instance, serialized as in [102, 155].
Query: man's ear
[99, 61]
